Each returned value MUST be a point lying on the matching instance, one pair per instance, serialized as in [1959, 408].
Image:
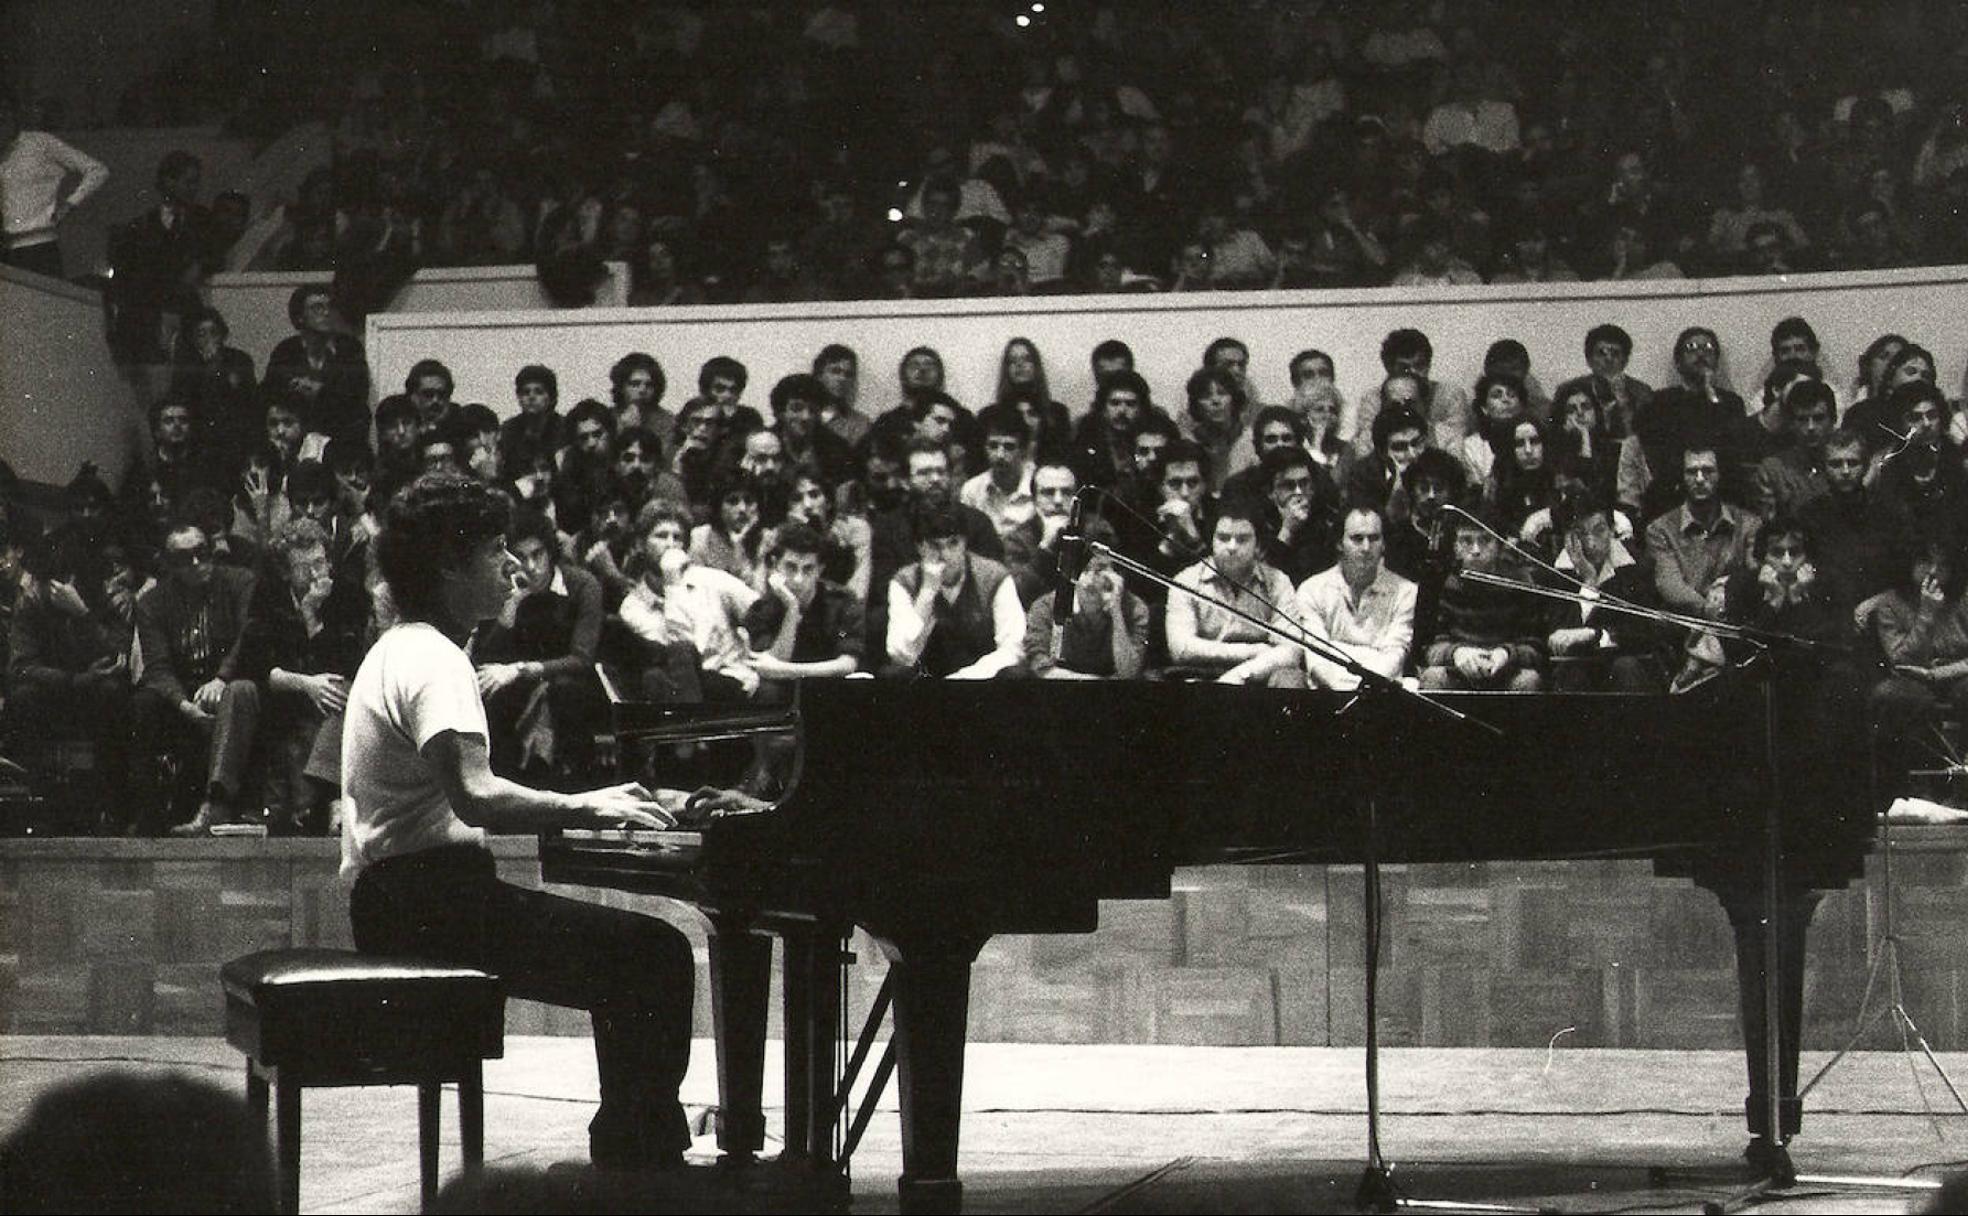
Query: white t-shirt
[413, 685]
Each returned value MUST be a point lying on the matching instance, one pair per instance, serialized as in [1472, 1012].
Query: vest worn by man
[965, 629]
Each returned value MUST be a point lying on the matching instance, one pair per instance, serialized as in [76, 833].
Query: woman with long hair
[1217, 406]
[1022, 385]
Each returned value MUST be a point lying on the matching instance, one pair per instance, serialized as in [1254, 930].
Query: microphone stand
[1377, 1190]
[1781, 1174]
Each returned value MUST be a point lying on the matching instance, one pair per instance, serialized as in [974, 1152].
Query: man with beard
[1704, 540]
[1922, 482]
[193, 701]
[535, 661]
[1650, 461]
[1358, 605]
[1103, 443]
[636, 385]
[798, 401]
[1421, 548]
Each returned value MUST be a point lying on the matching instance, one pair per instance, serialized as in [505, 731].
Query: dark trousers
[219, 749]
[44, 258]
[632, 973]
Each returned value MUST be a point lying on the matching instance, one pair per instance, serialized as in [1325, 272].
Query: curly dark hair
[430, 528]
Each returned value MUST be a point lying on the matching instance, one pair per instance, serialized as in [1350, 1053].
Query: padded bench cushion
[326, 1009]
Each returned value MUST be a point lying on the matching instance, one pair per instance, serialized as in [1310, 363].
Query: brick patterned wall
[125, 937]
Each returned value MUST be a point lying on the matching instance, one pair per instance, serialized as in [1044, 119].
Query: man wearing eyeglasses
[1699, 408]
[1301, 521]
[194, 702]
[1399, 436]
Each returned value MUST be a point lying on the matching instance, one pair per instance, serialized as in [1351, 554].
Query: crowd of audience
[887, 149]
[201, 625]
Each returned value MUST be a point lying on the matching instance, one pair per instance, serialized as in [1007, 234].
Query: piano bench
[337, 1018]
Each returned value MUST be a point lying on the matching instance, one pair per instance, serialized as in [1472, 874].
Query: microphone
[1068, 564]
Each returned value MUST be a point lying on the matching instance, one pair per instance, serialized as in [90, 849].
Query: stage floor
[1175, 1129]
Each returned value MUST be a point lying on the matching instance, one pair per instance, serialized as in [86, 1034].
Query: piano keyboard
[668, 844]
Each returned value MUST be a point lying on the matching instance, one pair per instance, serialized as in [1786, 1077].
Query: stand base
[1377, 1192]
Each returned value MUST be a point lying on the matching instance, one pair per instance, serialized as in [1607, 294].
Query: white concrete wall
[255, 302]
[62, 400]
[1169, 333]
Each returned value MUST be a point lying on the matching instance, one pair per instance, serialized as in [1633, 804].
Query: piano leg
[931, 975]
[813, 1003]
[741, 986]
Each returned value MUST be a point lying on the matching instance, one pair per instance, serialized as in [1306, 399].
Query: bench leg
[471, 1115]
[287, 1140]
[428, 1092]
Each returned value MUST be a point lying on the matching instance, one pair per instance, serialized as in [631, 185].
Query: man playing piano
[416, 772]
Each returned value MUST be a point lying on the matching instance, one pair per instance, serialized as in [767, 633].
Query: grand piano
[936, 814]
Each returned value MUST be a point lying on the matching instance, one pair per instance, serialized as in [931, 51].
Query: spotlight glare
[895, 215]
[1022, 20]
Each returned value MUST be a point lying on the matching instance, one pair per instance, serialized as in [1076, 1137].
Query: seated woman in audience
[689, 615]
[1022, 384]
[1921, 629]
[1106, 635]
[1524, 479]
[847, 541]
[730, 540]
[1317, 403]
[1500, 401]
[1584, 446]
[1215, 420]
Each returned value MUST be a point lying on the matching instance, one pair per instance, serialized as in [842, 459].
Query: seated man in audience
[1301, 518]
[536, 661]
[1359, 606]
[1003, 491]
[68, 671]
[1421, 548]
[1105, 637]
[797, 401]
[1399, 435]
[396, 445]
[1701, 542]
[586, 464]
[1103, 441]
[952, 614]
[1794, 474]
[1032, 549]
[1594, 649]
[1856, 533]
[689, 614]
[1921, 483]
[1489, 637]
[538, 425]
[1620, 397]
[721, 383]
[1206, 638]
[1275, 427]
[481, 430]
[1445, 407]
[894, 543]
[194, 701]
[803, 627]
[636, 385]
[303, 641]
[1186, 512]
